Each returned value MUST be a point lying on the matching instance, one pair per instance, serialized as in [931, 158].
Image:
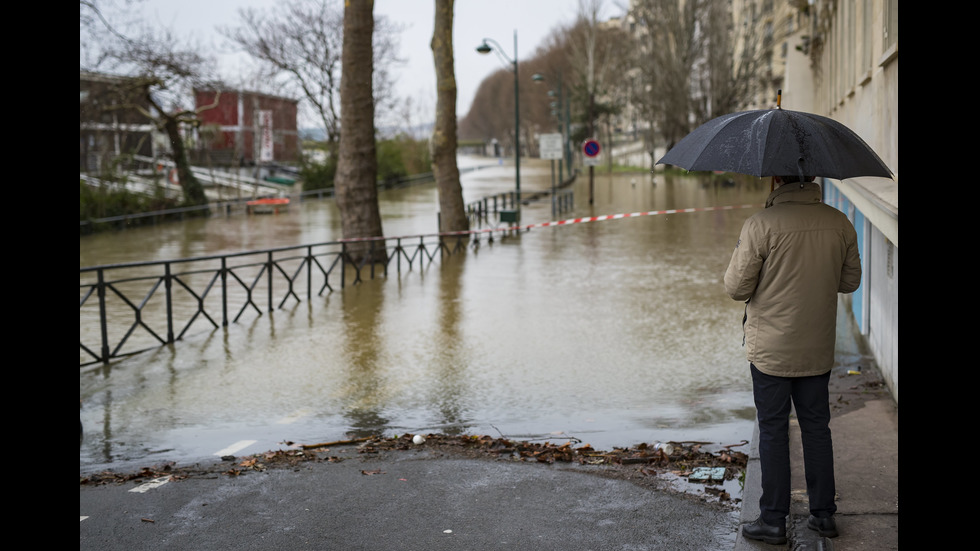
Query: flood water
[611, 333]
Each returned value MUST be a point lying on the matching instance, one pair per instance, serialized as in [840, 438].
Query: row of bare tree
[672, 67]
[334, 55]
[664, 68]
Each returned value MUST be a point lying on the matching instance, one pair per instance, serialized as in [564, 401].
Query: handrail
[132, 315]
[125, 302]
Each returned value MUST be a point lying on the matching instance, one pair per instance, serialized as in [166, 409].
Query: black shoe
[759, 530]
[826, 527]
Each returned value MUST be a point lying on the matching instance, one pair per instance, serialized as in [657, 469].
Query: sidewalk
[864, 424]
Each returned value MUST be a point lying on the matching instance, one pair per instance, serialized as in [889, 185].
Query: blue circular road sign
[590, 148]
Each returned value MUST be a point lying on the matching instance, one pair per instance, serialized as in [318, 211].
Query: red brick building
[248, 127]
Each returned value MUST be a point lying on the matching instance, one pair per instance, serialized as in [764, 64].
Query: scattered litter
[447, 531]
[721, 494]
[702, 474]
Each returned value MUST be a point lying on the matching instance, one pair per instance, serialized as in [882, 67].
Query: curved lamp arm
[486, 48]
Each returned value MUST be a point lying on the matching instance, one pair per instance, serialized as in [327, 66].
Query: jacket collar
[809, 192]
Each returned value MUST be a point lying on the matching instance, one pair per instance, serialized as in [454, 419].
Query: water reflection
[364, 390]
[449, 373]
[614, 332]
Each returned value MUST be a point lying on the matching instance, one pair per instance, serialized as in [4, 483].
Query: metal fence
[130, 308]
[126, 309]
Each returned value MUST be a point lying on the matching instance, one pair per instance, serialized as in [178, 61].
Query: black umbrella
[777, 142]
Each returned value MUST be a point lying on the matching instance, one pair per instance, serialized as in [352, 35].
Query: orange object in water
[268, 205]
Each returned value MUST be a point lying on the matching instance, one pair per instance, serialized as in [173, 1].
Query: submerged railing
[126, 309]
[130, 308]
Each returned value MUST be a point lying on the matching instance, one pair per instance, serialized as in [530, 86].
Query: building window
[891, 23]
[867, 49]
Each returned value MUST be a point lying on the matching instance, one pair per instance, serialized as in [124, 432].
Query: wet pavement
[402, 500]
[429, 497]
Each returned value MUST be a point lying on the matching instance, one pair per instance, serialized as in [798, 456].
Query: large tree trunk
[356, 182]
[193, 191]
[452, 211]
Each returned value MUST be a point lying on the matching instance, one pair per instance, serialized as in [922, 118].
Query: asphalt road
[416, 499]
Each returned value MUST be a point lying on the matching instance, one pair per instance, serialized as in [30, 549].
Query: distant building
[246, 128]
[108, 131]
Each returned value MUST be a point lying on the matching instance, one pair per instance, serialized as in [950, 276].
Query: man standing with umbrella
[791, 261]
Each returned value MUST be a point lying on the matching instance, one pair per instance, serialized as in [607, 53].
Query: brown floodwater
[611, 332]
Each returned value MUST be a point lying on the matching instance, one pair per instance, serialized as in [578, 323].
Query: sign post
[551, 149]
[591, 150]
[590, 158]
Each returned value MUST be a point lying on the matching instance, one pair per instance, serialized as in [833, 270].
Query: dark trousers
[810, 397]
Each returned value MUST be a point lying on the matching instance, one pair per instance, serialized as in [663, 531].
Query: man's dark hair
[795, 178]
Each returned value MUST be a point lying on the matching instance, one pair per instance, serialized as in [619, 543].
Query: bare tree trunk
[193, 191]
[356, 183]
[452, 211]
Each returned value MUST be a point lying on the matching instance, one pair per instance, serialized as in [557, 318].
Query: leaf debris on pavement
[684, 459]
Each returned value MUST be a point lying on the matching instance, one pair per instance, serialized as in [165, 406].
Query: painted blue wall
[833, 197]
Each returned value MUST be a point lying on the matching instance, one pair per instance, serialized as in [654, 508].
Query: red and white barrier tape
[570, 221]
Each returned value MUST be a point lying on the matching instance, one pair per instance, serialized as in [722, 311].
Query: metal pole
[561, 99]
[517, 127]
[568, 136]
[553, 185]
[591, 134]
[486, 48]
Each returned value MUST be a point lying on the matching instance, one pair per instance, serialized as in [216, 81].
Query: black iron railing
[130, 308]
[125, 309]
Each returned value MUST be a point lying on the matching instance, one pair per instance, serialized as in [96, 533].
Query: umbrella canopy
[777, 142]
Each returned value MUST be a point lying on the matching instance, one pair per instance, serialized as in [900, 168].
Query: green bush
[391, 167]
[316, 175]
[397, 158]
[97, 202]
[101, 202]
[415, 155]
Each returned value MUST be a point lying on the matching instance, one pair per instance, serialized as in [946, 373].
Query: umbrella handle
[779, 98]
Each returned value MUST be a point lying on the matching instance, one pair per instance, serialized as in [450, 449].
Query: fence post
[398, 248]
[309, 273]
[269, 277]
[102, 317]
[224, 291]
[170, 304]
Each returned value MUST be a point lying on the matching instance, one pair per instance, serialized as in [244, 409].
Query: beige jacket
[790, 262]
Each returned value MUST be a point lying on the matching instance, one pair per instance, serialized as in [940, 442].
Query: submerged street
[610, 333]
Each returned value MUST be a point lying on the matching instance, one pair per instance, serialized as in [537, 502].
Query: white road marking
[236, 447]
[83, 518]
[155, 483]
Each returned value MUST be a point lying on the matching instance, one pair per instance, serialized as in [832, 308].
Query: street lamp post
[485, 48]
